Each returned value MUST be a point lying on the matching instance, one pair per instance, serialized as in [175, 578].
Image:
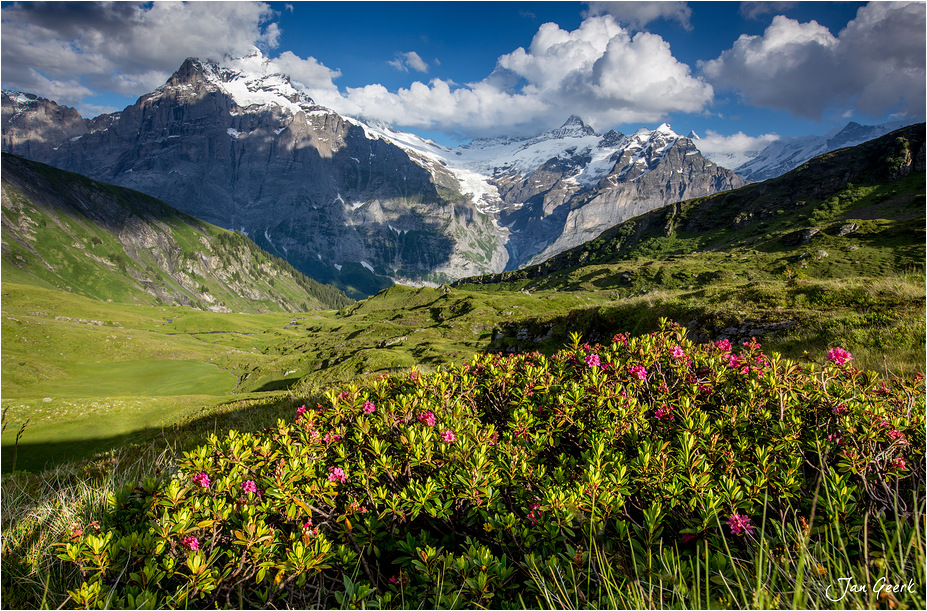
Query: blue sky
[739, 74]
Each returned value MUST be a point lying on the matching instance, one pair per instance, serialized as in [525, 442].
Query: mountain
[565, 186]
[861, 209]
[789, 153]
[66, 231]
[356, 202]
[238, 146]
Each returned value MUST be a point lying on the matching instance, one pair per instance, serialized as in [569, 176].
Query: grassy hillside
[66, 231]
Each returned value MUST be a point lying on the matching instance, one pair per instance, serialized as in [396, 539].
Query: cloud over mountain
[600, 71]
[69, 48]
[603, 68]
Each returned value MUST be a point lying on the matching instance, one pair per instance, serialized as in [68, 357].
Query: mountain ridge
[786, 154]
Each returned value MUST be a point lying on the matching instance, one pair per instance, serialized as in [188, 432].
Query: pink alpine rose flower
[839, 356]
[369, 407]
[664, 413]
[593, 360]
[676, 352]
[534, 507]
[448, 437]
[427, 418]
[191, 543]
[201, 480]
[640, 371]
[740, 524]
[337, 474]
[249, 486]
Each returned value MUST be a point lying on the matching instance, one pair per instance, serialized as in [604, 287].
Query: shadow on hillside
[239, 413]
[39, 456]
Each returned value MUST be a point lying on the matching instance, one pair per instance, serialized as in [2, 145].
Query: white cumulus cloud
[875, 65]
[309, 72]
[734, 150]
[599, 71]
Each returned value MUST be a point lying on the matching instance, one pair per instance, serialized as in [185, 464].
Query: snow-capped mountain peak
[574, 127]
[251, 81]
[665, 130]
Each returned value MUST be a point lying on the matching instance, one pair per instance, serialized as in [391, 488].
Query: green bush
[464, 487]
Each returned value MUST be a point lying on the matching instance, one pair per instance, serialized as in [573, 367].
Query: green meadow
[92, 375]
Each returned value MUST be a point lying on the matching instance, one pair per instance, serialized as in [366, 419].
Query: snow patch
[367, 265]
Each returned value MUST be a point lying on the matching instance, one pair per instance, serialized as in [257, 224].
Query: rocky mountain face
[565, 186]
[777, 217]
[569, 203]
[33, 126]
[353, 202]
[64, 230]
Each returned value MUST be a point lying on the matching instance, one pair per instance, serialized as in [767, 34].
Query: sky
[740, 75]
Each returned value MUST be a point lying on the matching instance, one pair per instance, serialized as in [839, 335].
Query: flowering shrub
[457, 482]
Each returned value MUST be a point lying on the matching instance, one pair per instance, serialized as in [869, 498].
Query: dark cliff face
[34, 126]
